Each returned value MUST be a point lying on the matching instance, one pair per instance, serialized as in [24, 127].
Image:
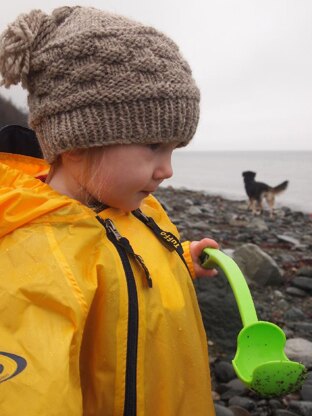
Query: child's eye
[154, 146]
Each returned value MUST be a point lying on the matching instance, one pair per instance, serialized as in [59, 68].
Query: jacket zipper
[133, 321]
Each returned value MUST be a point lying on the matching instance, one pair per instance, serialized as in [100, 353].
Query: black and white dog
[257, 191]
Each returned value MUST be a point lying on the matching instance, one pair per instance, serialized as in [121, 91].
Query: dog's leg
[253, 204]
[260, 206]
[270, 199]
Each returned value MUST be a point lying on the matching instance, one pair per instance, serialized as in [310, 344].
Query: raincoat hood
[23, 197]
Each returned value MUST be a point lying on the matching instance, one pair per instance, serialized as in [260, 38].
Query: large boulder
[257, 266]
[219, 312]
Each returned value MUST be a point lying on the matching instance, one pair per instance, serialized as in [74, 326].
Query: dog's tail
[280, 188]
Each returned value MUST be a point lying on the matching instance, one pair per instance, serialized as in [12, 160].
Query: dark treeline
[9, 114]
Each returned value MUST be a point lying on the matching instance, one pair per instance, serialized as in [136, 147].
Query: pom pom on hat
[15, 47]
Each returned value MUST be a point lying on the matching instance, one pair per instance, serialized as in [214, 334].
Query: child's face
[126, 174]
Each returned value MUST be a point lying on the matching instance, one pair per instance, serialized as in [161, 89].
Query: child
[98, 310]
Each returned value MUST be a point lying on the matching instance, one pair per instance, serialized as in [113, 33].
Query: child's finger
[201, 272]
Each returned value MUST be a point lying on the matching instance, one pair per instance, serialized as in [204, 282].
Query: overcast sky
[252, 60]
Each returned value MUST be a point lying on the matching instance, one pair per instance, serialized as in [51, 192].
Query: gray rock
[288, 332]
[286, 257]
[199, 225]
[207, 208]
[304, 328]
[236, 221]
[219, 311]
[303, 408]
[289, 239]
[224, 371]
[283, 412]
[275, 404]
[302, 282]
[278, 294]
[306, 392]
[307, 239]
[244, 402]
[257, 266]
[305, 271]
[222, 410]
[188, 201]
[282, 304]
[229, 251]
[233, 388]
[257, 224]
[294, 314]
[299, 349]
[193, 210]
[239, 411]
[294, 291]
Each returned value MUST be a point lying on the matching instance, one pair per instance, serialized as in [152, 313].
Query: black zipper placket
[133, 322]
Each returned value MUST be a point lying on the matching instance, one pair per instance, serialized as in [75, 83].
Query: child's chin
[129, 207]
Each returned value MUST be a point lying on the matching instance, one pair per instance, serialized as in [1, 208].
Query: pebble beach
[275, 255]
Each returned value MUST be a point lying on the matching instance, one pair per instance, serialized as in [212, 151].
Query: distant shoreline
[239, 198]
[220, 173]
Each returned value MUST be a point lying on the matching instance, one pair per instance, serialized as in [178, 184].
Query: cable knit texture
[96, 78]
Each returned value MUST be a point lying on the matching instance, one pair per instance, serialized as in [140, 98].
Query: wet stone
[283, 412]
[294, 314]
[244, 402]
[275, 404]
[294, 291]
[306, 392]
[224, 371]
[282, 304]
[303, 408]
[305, 271]
[222, 411]
[233, 388]
[239, 411]
[302, 328]
[193, 210]
[302, 282]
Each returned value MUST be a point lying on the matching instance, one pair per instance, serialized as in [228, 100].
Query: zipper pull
[110, 227]
[139, 260]
[125, 244]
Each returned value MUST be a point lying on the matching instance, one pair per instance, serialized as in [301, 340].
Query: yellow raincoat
[81, 330]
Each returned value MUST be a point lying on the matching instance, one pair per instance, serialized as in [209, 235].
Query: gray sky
[252, 60]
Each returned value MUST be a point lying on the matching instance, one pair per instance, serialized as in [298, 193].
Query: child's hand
[196, 248]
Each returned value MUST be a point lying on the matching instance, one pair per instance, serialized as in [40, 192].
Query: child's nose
[164, 169]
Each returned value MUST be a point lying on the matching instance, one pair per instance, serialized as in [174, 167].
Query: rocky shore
[276, 259]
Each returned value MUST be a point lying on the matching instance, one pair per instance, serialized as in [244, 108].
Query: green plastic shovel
[260, 361]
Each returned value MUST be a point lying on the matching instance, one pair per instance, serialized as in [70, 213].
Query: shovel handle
[212, 257]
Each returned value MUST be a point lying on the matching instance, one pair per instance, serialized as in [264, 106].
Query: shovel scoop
[260, 361]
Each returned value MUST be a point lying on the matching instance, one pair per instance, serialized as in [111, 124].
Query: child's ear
[74, 155]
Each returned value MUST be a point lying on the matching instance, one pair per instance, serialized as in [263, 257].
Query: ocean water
[221, 173]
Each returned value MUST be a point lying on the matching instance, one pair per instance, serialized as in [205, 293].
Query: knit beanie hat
[96, 78]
